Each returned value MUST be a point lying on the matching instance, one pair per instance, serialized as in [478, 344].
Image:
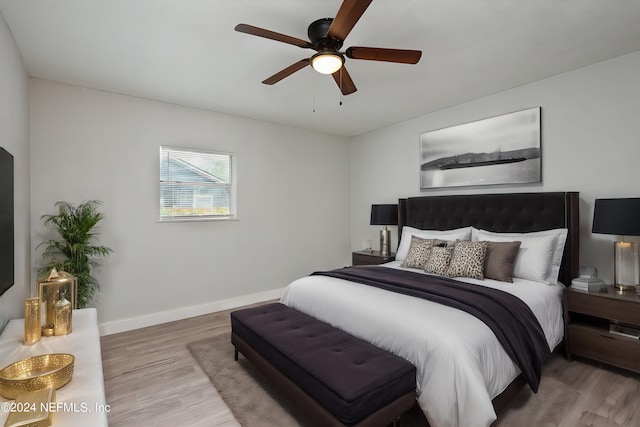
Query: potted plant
[75, 252]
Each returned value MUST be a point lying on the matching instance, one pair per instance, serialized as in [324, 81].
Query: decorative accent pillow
[467, 259]
[405, 240]
[558, 250]
[419, 252]
[500, 260]
[533, 260]
[439, 259]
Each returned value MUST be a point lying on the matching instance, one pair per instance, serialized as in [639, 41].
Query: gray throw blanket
[510, 319]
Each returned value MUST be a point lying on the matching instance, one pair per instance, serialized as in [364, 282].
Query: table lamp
[620, 217]
[384, 215]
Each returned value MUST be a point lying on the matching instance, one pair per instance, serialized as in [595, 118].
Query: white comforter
[460, 364]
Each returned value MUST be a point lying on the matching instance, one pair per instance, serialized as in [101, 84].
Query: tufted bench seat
[336, 378]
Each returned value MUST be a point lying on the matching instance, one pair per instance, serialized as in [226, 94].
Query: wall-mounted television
[6, 221]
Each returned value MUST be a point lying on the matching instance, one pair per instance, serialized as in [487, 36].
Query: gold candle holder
[31, 321]
[48, 331]
[62, 325]
[56, 283]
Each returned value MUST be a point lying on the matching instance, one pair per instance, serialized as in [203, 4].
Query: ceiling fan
[326, 37]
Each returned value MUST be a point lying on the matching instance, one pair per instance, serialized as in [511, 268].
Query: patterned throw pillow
[467, 259]
[439, 259]
[419, 252]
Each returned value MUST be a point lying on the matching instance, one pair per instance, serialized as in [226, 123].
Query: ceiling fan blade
[261, 32]
[403, 56]
[287, 72]
[349, 13]
[344, 82]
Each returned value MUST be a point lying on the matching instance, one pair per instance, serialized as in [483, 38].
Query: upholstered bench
[334, 377]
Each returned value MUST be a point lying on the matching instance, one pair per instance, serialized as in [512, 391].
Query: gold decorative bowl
[35, 373]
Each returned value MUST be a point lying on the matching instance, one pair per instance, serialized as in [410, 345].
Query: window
[196, 184]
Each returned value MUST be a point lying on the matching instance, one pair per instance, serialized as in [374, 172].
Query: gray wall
[590, 144]
[14, 137]
[293, 198]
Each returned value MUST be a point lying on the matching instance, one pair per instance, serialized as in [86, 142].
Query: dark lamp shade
[384, 215]
[617, 216]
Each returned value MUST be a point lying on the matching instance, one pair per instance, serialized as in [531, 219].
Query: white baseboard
[131, 323]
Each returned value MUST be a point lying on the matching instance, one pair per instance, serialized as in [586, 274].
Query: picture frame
[503, 149]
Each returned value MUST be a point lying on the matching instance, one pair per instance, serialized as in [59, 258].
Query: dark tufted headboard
[511, 212]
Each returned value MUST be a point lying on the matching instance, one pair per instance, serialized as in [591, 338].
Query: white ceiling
[186, 52]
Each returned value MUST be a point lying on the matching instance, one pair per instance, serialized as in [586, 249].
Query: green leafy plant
[75, 251]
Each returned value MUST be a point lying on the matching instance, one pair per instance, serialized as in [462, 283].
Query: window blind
[195, 184]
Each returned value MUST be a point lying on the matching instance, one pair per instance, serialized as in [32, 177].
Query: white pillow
[474, 233]
[557, 237]
[405, 240]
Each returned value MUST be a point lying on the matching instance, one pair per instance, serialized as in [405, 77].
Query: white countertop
[83, 397]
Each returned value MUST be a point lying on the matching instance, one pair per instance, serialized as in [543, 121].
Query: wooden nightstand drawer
[587, 318]
[359, 259]
[593, 304]
[598, 344]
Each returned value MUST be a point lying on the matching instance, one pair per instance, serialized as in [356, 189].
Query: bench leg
[396, 422]
[235, 354]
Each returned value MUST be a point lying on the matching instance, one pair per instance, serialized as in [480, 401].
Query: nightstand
[586, 326]
[367, 257]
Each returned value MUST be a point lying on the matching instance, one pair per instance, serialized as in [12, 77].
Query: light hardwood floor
[151, 379]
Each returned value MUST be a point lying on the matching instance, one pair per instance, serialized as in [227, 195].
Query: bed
[464, 377]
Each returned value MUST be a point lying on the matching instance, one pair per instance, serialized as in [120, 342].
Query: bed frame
[510, 212]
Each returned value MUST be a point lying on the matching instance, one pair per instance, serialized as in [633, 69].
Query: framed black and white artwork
[498, 150]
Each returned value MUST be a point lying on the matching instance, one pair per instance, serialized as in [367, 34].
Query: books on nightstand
[624, 330]
[591, 284]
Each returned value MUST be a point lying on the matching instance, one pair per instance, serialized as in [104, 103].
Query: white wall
[14, 137]
[293, 201]
[590, 144]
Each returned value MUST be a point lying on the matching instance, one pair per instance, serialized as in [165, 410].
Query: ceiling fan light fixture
[327, 62]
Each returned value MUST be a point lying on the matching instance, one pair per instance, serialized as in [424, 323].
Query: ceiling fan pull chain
[340, 86]
[314, 95]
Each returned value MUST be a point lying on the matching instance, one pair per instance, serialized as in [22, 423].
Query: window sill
[196, 219]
